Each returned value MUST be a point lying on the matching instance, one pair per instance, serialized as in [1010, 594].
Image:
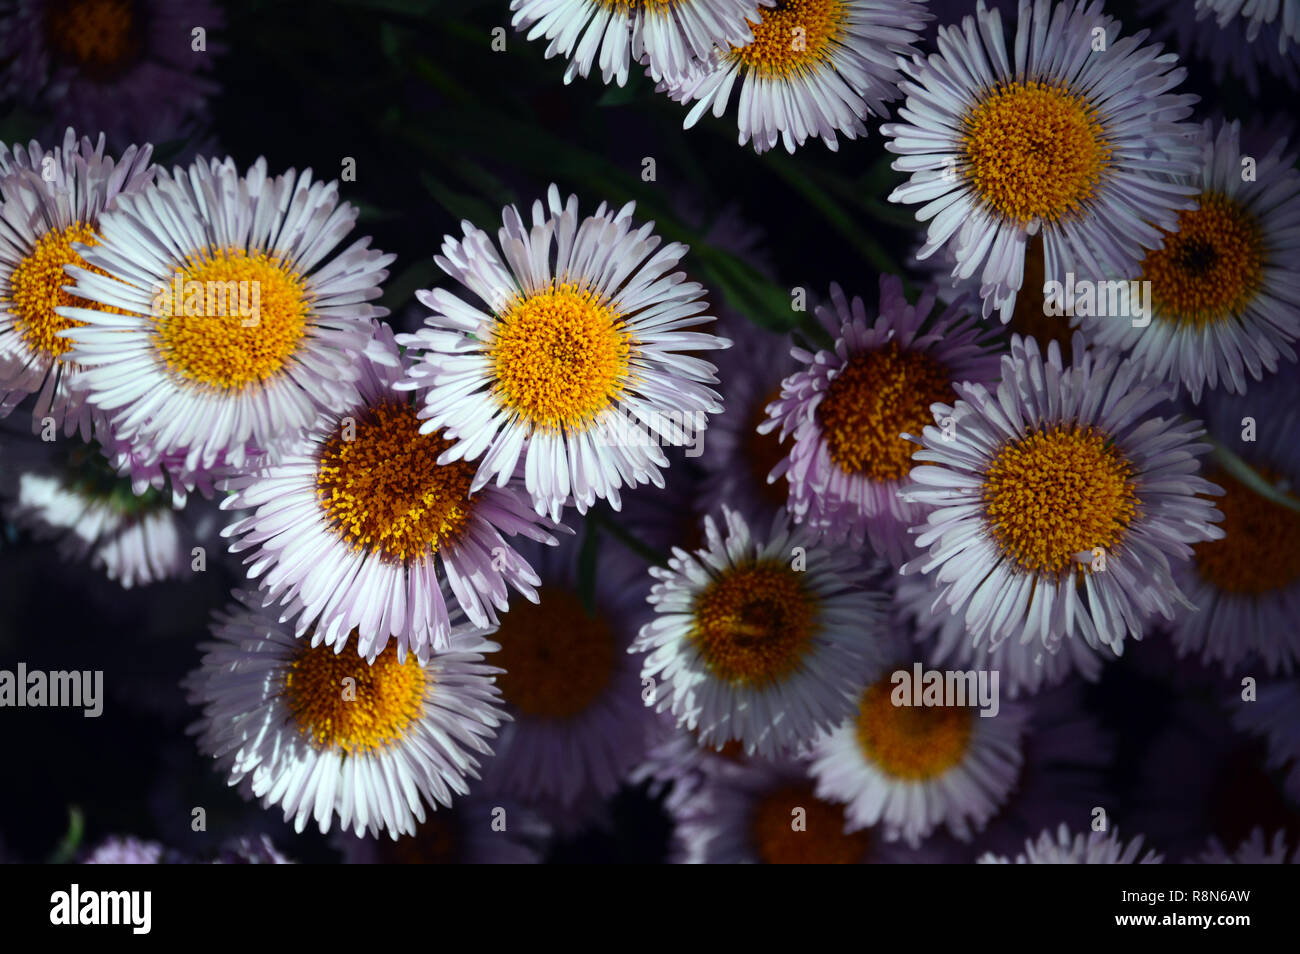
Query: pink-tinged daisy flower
[1060, 501]
[69, 493]
[1255, 850]
[669, 36]
[1077, 144]
[912, 769]
[814, 68]
[735, 458]
[1025, 667]
[761, 640]
[1245, 586]
[578, 724]
[1284, 15]
[129, 67]
[217, 327]
[355, 527]
[1225, 304]
[1095, 848]
[849, 411]
[475, 830]
[50, 204]
[770, 814]
[1275, 715]
[328, 736]
[582, 364]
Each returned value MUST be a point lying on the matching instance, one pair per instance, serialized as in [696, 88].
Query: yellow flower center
[754, 624]
[102, 37]
[876, 397]
[340, 703]
[560, 356]
[793, 37]
[1058, 493]
[911, 742]
[1210, 268]
[814, 836]
[231, 318]
[382, 488]
[36, 289]
[1260, 550]
[1034, 151]
[557, 659]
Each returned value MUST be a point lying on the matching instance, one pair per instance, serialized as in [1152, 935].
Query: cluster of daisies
[426, 650]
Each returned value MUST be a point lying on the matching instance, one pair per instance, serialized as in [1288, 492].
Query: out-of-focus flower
[1282, 14]
[1065, 138]
[251, 850]
[668, 36]
[814, 68]
[1226, 47]
[51, 203]
[764, 640]
[1060, 502]
[127, 850]
[328, 736]
[225, 332]
[580, 367]
[1275, 715]
[911, 769]
[849, 411]
[134, 68]
[476, 830]
[350, 526]
[1255, 850]
[1245, 587]
[1095, 848]
[1224, 301]
[573, 691]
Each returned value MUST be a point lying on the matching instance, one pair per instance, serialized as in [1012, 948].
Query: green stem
[1243, 472]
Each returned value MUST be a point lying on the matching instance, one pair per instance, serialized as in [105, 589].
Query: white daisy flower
[814, 68]
[1060, 501]
[910, 769]
[225, 329]
[669, 36]
[1077, 142]
[1275, 715]
[1255, 850]
[580, 366]
[328, 736]
[764, 641]
[351, 525]
[1284, 14]
[1095, 848]
[52, 201]
[1224, 299]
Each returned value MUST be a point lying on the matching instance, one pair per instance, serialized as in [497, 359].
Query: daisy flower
[1275, 715]
[1225, 47]
[570, 686]
[1245, 587]
[1095, 848]
[1223, 299]
[580, 366]
[669, 36]
[849, 411]
[912, 769]
[770, 814]
[814, 68]
[476, 830]
[1025, 667]
[676, 764]
[69, 492]
[51, 204]
[1282, 14]
[1255, 850]
[764, 641]
[351, 526]
[1076, 143]
[217, 326]
[128, 850]
[1060, 501]
[737, 459]
[329, 736]
[126, 66]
